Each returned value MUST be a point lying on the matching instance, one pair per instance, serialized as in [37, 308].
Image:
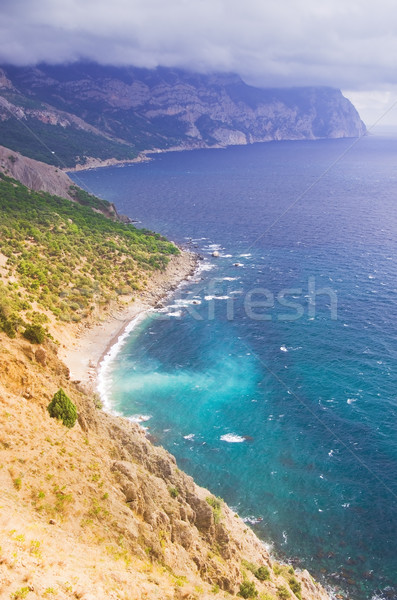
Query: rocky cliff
[35, 174]
[131, 110]
[40, 176]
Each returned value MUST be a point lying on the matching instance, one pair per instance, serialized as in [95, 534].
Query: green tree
[61, 407]
[35, 334]
[248, 590]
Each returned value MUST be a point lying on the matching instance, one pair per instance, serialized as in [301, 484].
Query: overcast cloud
[350, 44]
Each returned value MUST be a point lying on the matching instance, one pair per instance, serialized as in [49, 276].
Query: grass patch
[216, 505]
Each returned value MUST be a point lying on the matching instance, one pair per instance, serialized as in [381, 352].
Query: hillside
[63, 115]
[63, 260]
[41, 177]
[97, 511]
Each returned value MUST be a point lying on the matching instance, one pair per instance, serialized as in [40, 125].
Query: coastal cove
[291, 421]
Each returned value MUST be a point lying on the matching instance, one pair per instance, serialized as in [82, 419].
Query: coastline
[90, 343]
[144, 156]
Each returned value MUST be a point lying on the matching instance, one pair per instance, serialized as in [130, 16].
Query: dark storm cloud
[286, 42]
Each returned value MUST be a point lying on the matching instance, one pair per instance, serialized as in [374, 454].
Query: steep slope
[34, 174]
[39, 176]
[98, 512]
[134, 110]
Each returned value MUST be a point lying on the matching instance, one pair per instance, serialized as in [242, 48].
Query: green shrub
[8, 328]
[216, 505]
[277, 569]
[262, 573]
[174, 492]
[296, 587]
[62, 408]
[283, 593]
[35, 334]
[249, 565]
[248, 590]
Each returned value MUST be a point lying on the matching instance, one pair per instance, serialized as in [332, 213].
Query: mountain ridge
[85, 110]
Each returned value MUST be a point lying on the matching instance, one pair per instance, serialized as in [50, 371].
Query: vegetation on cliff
[64, 258]
[62, 408]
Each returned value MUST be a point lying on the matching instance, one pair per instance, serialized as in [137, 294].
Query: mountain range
[66, 114]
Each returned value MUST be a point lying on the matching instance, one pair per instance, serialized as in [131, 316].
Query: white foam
[139, 418]
[104, 381]
[230, 278]
[185, 302]
[206, 266]
[216, 298]
[252, 520]
[283, 348]
[232, 438]
[214, 247]
[245, 255]
[351, 400]
[190, 436]
[104, 384]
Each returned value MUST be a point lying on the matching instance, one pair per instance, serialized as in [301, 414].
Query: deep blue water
[312, 400]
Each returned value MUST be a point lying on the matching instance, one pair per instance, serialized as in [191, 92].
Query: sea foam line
[104, 381]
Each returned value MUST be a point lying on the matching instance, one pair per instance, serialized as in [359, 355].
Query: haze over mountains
[64, 114]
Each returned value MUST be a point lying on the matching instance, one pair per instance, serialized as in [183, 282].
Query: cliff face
[167, 108]
[40, 176]
[34, 174]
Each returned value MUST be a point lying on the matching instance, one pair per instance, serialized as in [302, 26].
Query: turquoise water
[292, 421]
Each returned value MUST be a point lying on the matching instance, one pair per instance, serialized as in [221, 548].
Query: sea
[271, 374]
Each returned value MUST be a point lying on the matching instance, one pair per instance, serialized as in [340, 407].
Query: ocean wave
[185, 302]
[232, 438]
[252, 520]
[190, 436]
[104, 381]
[206, 266]
[139, 418]
[283, 348]
[216, 298]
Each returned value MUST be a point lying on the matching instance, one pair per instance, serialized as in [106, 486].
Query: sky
[348, 44]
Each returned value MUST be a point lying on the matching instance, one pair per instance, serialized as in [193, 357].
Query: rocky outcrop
[40, 176]
[34, 174]
[167, 108]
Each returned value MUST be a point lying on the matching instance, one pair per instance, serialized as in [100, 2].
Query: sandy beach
[90, 342]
